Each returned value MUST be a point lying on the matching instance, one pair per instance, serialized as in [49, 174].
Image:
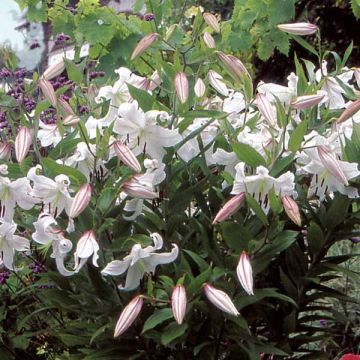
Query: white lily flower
[53, 193]
[329, 173]
[259, 185]
[10, 242]
[12, 193]
[46, 233]
[141, 133]
[86, 246]
[141, 261]
[48, 134]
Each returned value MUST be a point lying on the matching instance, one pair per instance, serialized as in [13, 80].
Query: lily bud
[209, 40]
[81, 201]
[233, 66]
[230, 208]
[351, 110]
[181, 87]
[245, 273]
[65, 108]
[307, 101]
[298, 28]
[143, 45]
[23, 142]
[48, 91]
[5, 150]
[155, 80]
[331, 163]
[127, 156]
[128, 315]
[220, 299]
[138, 190]
[292, 209]
[357, 76]
[54, 70]
[199, 88]
[266, 109]
[212, 21]
[216, 82]
[71, 120]
[178, 303]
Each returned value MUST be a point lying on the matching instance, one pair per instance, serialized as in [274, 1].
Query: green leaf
[158, 317]
[281, 164]
[280, 10]
[197, 282]
[172, 332]
[144, 99]
[52, 168]
[235, 235]
[297, 136]
[259, 212]
[248, 155]
[315, 238]
[7, 101]
[305, 44]
[74, 71]
[200, 262]
[64, 147]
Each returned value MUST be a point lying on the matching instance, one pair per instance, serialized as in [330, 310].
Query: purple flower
[355, 240]
[5, 73]
[20, 73]
[149, 17]
[323, 322]
[61, 38]
[36, 267]
[34, 45]
[4, 276]
[83, 109]
[95, 74]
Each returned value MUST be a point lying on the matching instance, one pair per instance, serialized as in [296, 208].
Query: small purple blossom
[34, 45]
[355, 240]
[20, 73]
[4, 276]
[61, 38]
[29, 104]
[5, 73]
[83, 109]
[96, 74]
[149, 17]
[323, 322]
[48, 116]
[36, 267]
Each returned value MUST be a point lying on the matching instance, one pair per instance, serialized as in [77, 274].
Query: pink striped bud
[351, 110]
[71, 120]
[245, 273]
[212, 21]
[138, 190]
[220, 299]
[23, 142]
[307, 101]
[181, 87]
[143, 45]
[64, 107]
[331, 163]
[209, 40]
[54, 70]
[178, 303]
[233, 66]
[216, 81]
[292, 209]
[298, 28]
[81, 201]
[5, 150]
[127, 156]
[230, 208]
[128, 315]
[48, 91]
[199, 88]
[266, 109]
[155, 80]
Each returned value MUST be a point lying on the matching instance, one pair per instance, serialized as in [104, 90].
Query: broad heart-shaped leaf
[248, 155]
[297, 136]
[172, 332]
[158, 317]
[52, 169]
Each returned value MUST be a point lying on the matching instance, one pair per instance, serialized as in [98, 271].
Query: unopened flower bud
[233, 66]
[298, 28]
[307, 101]
[81, 201]
[292, 209]
[245, 273]
[54, 70]
[216, 82]
[212, 21]
[155, 80]
[230, 208]
[266, 109]
[128, 315]
[138, 190]
[64, 107]
[48, 91]
[331, 163]
[170, 31]
[351, 110]
[178, 303]
[71, 120]
[23, 142]
[220, 299]
[181, 87]
[143, 45]
[5, 150]
[199, 88]
[357, 76]
[209, 40]
[126, 156]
